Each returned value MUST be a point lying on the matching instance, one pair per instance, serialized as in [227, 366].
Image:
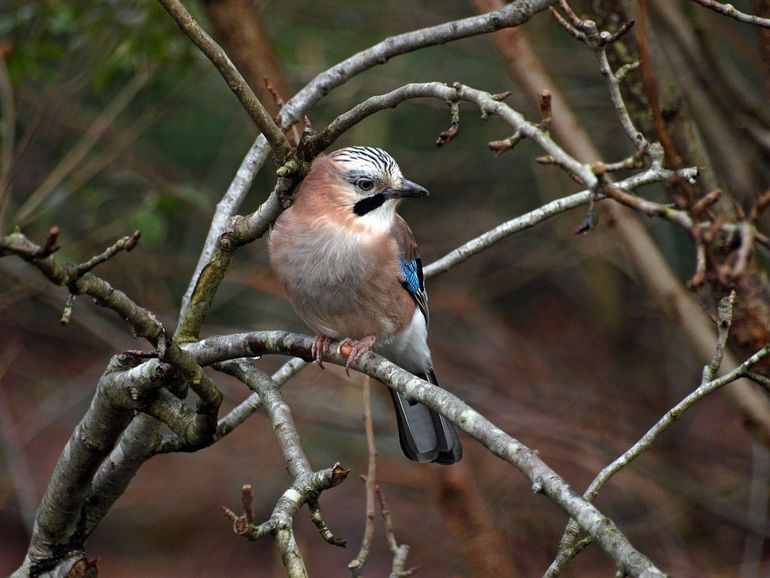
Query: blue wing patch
[411, 281]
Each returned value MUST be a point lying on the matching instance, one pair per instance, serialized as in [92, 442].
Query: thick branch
[57, 524]
[544, 480]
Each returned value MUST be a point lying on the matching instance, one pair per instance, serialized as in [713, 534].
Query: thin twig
[733, 12]
[527, 220]
[144, 323]
[323, 528]
[123, 244]
[356, 566]
[399, 551]
[587, 32]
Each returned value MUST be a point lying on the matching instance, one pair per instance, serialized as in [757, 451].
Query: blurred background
[119, 124]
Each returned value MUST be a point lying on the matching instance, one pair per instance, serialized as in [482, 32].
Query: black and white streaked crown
[368, 159]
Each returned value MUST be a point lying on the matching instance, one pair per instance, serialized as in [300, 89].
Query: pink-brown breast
[343, 281]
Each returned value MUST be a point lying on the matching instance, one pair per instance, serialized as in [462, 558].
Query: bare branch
[567, 547]
[243, 410]
[141, 320]
[323, 528]
[278, 411]
[235, 81]
[733, 12]
[649, 208]
[119, 393]
[399, 551]
[509, 16]
[587, 32]
[126, 244]
[487, 239]
[356, 566]
[486, 102]
[544, 479]
[307, 485]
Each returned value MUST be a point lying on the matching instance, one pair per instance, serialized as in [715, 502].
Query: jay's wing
[411, 265]
[425, 435]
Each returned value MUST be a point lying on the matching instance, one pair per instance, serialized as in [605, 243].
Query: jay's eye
[365, 184]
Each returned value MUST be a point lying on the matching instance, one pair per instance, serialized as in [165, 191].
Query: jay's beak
[407, 189]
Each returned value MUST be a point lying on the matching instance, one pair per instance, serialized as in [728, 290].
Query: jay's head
[365, 182]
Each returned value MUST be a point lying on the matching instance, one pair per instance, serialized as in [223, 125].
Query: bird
[351, 268]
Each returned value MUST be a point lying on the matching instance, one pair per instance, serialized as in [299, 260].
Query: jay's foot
[358, 348]
[320, 348]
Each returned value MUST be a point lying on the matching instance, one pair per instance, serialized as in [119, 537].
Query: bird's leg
[320, 348]
[357, 349]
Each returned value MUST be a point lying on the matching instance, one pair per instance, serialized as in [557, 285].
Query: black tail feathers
[425, 435]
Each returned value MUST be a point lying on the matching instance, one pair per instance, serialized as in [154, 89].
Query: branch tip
[544, 100]
[247, 499]
[588, 224]
[51, 244]
[501, 96]
[448, 135]
[66, 314]
[339, 474]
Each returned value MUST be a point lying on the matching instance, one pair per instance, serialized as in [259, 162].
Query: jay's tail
[425, 435]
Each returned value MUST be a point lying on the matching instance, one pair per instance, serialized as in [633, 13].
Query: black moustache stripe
[368, 204]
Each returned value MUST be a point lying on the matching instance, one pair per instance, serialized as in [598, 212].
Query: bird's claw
[357, 349]
[320, 348]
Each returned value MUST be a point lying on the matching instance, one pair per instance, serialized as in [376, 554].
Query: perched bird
[351, 268]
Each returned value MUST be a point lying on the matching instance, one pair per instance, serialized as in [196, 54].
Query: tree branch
[556, 207]
[79, 281]
[235, 81]
[307, 484]
[119, 393]
[732, 12]
[399, 551]
[356, 566]
[544, 480]
[709, 384]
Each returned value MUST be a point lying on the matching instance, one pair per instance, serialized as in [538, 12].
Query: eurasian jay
[351, 268]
